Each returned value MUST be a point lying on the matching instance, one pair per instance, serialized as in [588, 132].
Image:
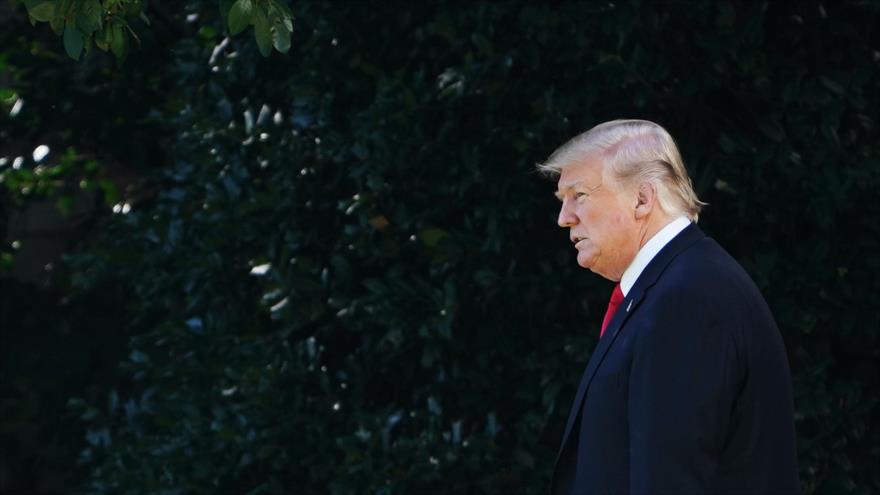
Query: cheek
[591, 215]
[599, 219]
[621, 225]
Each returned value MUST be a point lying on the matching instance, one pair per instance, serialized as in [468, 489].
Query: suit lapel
[630, 304]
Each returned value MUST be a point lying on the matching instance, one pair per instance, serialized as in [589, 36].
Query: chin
[602, 273]
[588, 263]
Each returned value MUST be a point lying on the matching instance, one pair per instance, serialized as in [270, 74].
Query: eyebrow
[573, 185]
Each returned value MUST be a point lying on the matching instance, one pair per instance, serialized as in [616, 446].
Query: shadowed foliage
[336, 270]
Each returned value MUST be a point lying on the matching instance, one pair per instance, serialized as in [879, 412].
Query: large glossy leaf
[41, 10]
[262, 32]
[73, 42]
[241, 15]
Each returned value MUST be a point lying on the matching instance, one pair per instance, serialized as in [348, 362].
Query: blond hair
[634, 152]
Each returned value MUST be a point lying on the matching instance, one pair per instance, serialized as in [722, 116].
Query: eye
[580, 196]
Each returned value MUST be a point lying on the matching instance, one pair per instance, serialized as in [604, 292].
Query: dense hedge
[347, 278]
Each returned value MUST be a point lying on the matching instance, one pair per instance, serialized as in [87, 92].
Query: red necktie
[616, 299]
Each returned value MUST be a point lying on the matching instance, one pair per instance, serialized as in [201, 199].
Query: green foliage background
[341, 274]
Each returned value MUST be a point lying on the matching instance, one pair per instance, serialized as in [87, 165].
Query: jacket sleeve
[683, 383]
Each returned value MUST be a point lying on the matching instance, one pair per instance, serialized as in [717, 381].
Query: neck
[653, 224]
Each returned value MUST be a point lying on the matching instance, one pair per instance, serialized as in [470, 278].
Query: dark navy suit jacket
[688, 391]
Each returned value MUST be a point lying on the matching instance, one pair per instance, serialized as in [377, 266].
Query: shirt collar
[649, 250]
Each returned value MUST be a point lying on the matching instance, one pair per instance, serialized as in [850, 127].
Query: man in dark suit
[688, 390]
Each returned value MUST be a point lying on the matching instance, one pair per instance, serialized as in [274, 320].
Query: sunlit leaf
[42, 11]
[240, 16]
[281, 38]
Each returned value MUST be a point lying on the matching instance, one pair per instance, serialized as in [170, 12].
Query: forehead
[586, 172]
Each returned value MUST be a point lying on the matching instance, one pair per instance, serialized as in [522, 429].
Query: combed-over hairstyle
[634, 152]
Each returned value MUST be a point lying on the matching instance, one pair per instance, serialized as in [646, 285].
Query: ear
[646, 200]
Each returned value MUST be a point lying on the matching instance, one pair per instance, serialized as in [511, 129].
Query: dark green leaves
[73, 42]
[281, 39]
[88, 17]
[117, 40]
[281, 26]
[262, 33]
[416, 234]
[240, 16]
[82, 22]
[272, 21]
[41, 10]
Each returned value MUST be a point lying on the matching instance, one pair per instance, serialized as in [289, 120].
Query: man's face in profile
[599, 218]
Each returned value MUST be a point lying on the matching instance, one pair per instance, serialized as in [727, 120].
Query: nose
[566, 218]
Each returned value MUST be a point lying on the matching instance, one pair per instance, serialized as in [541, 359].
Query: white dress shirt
[649, 250]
